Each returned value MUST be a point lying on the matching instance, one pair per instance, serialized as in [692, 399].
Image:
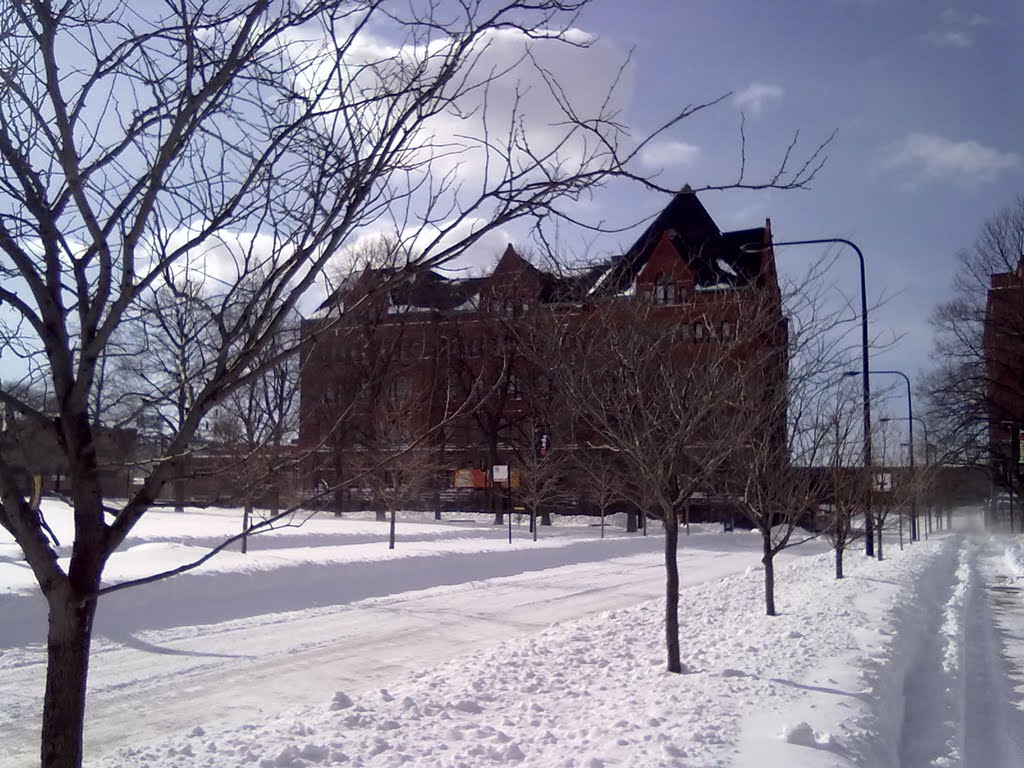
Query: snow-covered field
[321, 647]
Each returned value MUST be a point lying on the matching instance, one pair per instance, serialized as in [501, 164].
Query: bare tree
[847, 484]
[400, 463]
[974, 393]
[642, 390]
[790, 416]
[171, 348]
[542, 475]
[602, 479]
[252, 424]
[226, 141]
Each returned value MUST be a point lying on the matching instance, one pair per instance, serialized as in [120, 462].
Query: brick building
[1003, 344]
[394, 354]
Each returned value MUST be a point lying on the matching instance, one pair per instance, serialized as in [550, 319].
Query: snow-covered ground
[321, 647]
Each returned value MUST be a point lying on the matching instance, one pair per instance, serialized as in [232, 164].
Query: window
[699, 331]
[726, 330]
[664, 290]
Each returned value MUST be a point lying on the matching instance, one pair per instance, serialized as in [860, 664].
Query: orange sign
[468, 478]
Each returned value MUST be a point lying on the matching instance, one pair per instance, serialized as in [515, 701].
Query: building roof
[715, 258]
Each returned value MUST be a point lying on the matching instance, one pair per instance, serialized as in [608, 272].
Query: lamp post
[910, 419]
[927, 446]
[869, 546]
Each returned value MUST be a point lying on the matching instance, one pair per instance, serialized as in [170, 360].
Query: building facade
[1003, 345]
[433, 367]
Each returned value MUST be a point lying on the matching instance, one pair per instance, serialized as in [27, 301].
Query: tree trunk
[839, 561]
[602, 522]
[672, 594]
[768, 559]
[378, 512]
[179, 484]
[339, 481]
[179, 491]
[630, 521]
[437, 505]
[869, 532]
[275, 499]
[391, 533]
[545, 517]
[68, 640]
[878, 526]
[246, 517]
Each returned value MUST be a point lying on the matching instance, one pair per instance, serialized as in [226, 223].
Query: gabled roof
[716, 258]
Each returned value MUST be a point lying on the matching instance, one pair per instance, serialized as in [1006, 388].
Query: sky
[927, 99]
[924, 98]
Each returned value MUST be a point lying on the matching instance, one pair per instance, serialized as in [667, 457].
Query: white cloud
[949, 39]
[957, 29]
[511, 105]
[953, 17]
[936, 157]
[666, 154]
[365, 247]
[756, 96]
[220, 259]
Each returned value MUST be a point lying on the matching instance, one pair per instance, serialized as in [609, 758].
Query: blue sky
[928, 100]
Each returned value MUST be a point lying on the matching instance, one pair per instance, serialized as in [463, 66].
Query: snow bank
[1015, 559]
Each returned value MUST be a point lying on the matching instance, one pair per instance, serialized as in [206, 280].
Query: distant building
[428, 340]
[31, 450]
[1003, 344]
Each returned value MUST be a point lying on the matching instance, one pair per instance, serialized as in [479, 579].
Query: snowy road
[234, 672]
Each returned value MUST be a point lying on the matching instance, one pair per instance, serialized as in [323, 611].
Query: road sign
[500, 473]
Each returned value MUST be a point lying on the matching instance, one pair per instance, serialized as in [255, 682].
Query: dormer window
[664, 290]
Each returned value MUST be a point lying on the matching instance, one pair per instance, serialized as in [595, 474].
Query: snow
[726, 267]
[472, 304]
[458, 649]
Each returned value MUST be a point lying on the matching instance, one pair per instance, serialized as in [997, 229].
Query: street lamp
[910, 427]
[927, 446]
[910, 418]
[869, 546]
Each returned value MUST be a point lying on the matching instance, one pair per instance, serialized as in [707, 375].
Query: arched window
[664, 290]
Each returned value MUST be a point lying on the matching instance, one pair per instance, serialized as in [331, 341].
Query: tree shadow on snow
[131, 641]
